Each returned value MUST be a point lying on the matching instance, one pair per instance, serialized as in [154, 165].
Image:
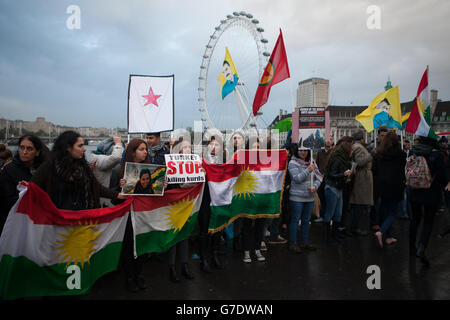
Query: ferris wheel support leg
[239, 105]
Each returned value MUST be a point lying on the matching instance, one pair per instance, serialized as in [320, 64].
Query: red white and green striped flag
[45, 251]
[420, 118]
[250, 185]
[161, 222]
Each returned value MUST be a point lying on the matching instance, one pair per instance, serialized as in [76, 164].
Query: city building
[313, 92]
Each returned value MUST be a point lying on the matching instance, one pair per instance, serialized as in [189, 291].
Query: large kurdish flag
[161, 222]
[45, 251]
[250, 185]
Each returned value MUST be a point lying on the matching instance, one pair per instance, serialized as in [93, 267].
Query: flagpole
[292, 95]
[312, 173]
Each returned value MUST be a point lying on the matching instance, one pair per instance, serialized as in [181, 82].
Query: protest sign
[144, 179]
[184, 168]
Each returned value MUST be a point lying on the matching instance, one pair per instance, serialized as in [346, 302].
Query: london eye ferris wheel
[242, 35]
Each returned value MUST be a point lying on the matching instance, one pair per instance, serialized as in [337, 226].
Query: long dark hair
[294, 152]
[64, 140]
[139, 189]
[38, 145]
[76, 173]
[128, 157]
[390, 141]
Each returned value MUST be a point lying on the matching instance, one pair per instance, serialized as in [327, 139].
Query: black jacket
[389, 174]
[10, 176]
[338, 163]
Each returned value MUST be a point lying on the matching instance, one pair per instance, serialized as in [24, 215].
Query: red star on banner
[151, 98]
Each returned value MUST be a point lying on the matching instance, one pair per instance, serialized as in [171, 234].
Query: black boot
[421, 254]
[204, 265]
[216, 260]
[334, 234]
[173, 274]
[131, 285]
[185, 271]
[140, 282]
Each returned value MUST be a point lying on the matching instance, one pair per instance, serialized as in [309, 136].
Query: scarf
[152, 151]
[78, 176]
[306, 164]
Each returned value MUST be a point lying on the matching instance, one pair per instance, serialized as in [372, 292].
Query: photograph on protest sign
[184, 168]
[312, 127]
[144, 179]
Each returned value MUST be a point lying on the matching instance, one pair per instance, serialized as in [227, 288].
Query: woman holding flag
[301, 195]
[182, 247]
[68, 178]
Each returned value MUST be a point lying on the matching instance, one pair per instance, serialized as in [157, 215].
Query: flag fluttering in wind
[229, 76]
[276, 70]
[384, 110]
[420, 117]
[45, 251]
[248, 186]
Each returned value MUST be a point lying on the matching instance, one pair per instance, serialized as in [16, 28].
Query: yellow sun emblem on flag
[179, 212]
[78, 243]
[246, 184]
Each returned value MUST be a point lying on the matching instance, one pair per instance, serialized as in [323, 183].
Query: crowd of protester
[347, 181]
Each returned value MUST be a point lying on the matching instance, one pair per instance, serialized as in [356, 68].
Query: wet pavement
[332, 272]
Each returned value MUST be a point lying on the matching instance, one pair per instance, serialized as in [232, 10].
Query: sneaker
[263, 246]
[259, 256]
[278, 240]
[247, 258]
[318, 220]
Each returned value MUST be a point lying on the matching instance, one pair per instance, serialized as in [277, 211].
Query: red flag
[277, 70]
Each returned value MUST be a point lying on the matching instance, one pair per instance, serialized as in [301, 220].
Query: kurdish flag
[250, 185]
[420, 117]
[45, 251]
[383, 110]
[161, 222]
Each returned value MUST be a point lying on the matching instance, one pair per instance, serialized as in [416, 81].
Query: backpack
[417, 173]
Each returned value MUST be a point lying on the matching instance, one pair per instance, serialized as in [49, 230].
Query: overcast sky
[80, 77]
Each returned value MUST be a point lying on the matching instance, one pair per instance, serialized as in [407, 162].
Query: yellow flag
[229, 76]
[384, 110]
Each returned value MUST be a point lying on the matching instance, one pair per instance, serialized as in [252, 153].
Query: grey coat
[362, 191]
[300, 181]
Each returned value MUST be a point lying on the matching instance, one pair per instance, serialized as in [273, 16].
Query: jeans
[358, 211]
[300, 211]
[334, 199]
[388, 210]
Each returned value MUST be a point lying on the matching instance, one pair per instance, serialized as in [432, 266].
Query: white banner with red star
[150, 104]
